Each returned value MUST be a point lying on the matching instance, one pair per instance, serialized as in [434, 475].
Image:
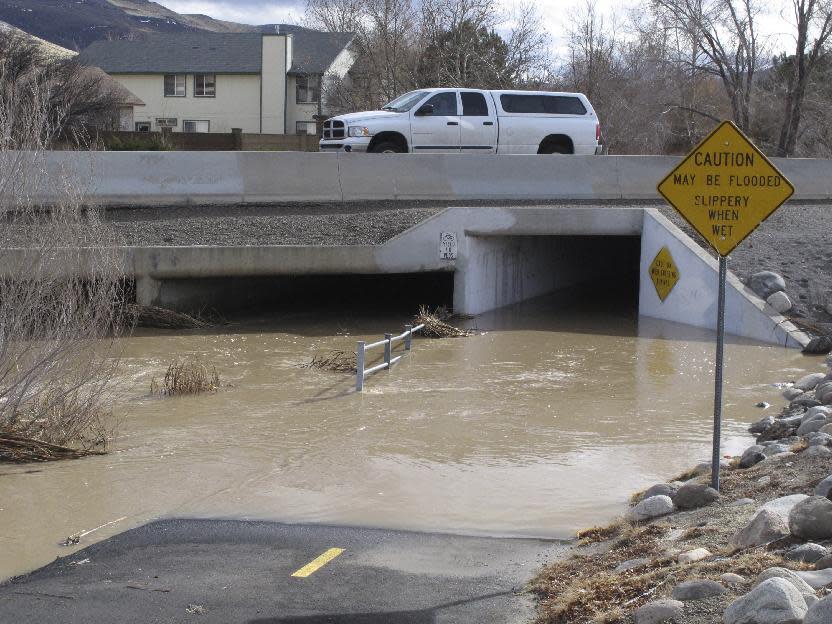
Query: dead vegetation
[162, 318]
[335, 361]
[436, 325]
[188, 377]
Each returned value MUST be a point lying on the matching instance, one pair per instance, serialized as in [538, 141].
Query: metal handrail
[361, 354]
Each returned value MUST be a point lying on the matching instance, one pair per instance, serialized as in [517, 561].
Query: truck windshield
[405, 102]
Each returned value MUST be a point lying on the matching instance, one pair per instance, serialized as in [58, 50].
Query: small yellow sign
[725, 188]
[664, 273]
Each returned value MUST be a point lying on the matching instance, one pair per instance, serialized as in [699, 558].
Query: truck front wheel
[387, 147]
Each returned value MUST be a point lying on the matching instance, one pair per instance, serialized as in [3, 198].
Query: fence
[389, 339]
[207, 141]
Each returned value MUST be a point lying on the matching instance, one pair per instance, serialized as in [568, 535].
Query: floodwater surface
[542, 423]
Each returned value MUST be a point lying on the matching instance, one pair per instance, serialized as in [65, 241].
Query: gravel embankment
[794, 242]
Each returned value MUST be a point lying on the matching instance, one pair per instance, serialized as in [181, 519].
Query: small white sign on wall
[447, 245]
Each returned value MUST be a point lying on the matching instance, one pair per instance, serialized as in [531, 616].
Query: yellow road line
[317, 563]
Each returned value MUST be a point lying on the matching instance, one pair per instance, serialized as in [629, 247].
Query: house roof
[207, 52]
[110, 86]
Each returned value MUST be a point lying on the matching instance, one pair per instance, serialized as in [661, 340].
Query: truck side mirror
[425, 110]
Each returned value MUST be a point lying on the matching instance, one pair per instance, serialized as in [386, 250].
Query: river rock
[764, 527]
[659, 611]
[631, 564]
[775, 601]
[660, 489]
[807, 553]
[752, 455]
[774, 449]
[813, 424]
[652, 507]
[782, 428]
[811, 518]
[810, 381]
[816, 579]
[697, 554]
[812, 412]
[807, 399]
[784, 504]
[761, 425]
[820, 612]
[731, 579]
[817, 451]
[826, 429]
[818, 438]
[791, 393]
[780, 302]
[697, 589]
[798, 583]
[823, 488]
[824, 563]
[820, 345]
[823, 393]
[695, 495]
[766, 283]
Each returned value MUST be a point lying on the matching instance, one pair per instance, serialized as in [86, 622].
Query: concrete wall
[237, 104]
[149, 178]
[693, 301]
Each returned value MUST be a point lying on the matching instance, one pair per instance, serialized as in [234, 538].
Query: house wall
[297, 112]
[237, 104]
[277, 57]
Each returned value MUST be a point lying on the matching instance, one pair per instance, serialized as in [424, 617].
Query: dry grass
[436, 327]
[335, 361]
[190, 377]
[162, 318]
[596, 534]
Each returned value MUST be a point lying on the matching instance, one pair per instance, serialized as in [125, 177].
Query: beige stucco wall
[237, 104]
[297, 112]
[277, 51]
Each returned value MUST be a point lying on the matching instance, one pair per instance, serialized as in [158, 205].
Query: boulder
[807, 399]
[775, 449]
[811, 518]
[820, 345]
[826, 429]
[820, 612]
[791, 393]
[659, 611]
[816, 579]
[810, 381]
[697, 554]
[652, 507]
[695, 495]
[823, 393]
[752, 455]
[812, 412]
[784, 504]
[660, 489]
[817, 438]
[697, 589]
[761, 425]
[824, 563]
[731, 579]
[780, 302]
[766, 283]
[775, 601]
[764, 527]
[817, 451]
[798, 583]
[823, 488]
[782, 428]
[812, 425]
[807, 553]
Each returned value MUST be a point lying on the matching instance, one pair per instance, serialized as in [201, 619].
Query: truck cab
[470, 121]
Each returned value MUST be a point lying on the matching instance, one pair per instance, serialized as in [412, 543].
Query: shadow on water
[419, 616]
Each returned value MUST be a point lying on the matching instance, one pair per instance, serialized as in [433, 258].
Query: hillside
[74, 24]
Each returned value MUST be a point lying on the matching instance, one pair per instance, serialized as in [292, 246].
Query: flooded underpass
[542, 422]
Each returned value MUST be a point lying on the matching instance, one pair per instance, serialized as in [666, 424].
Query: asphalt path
[269, 573]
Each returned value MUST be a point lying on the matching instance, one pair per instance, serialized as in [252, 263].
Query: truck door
[478, 124]
[435, 124]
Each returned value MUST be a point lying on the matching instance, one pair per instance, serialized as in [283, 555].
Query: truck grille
[333, 130]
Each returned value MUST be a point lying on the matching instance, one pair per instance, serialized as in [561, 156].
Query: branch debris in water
[191, 377]
[435, 325]
[336, 361]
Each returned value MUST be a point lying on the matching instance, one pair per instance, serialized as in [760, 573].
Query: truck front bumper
[349, 144]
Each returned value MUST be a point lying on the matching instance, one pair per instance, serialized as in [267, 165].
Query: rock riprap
[659, 612]
[811, 518]
[820, 612]
[652, 507]
[766, 283]
[775, 601]
[694, 495]
[697, 589]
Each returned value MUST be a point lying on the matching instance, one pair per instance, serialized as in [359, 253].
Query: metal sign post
[724, 189]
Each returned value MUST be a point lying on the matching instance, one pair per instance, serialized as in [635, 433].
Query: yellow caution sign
[664, 273]
[725, 188]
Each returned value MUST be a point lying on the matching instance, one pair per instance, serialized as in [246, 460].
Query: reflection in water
[543, 423]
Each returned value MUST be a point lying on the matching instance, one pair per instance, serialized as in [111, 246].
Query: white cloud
[243, 11]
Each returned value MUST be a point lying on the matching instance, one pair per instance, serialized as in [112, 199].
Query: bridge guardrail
[362, 372]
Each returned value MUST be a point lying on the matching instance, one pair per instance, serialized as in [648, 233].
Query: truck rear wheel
[387, 147]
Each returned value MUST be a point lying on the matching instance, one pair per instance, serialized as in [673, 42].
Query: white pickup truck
[470, 121]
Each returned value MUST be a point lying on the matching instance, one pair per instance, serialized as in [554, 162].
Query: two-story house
[213, 82]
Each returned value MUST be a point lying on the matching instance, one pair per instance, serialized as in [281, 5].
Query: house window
[142, 126]
[205, 85]
[306, 127]
[174, 85]
[308, 89]
[196, 125]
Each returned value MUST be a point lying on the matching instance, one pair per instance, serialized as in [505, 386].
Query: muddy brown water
[543, 423]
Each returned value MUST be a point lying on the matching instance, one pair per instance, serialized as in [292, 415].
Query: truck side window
[561, 105]
[443, 104]
[473, 104]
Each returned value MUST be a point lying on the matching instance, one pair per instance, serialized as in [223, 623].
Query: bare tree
[60, 284]
[813, 22]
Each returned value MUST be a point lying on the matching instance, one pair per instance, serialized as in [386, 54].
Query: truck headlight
[359, 131]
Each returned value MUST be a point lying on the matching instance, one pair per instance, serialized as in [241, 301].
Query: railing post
[409, 337]
[359, 366]
[388, 349]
